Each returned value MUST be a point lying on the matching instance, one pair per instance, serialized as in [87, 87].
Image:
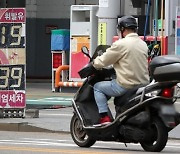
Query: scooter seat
[122, 102]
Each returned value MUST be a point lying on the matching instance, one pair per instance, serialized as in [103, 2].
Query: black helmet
[127, 22]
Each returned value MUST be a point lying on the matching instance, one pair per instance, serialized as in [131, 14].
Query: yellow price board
[102, 33]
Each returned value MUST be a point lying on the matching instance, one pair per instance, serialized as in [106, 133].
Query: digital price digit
[12, 77]
[17, 76]
[18, 35]
[3, 38]
[11, 35]
[4, 77]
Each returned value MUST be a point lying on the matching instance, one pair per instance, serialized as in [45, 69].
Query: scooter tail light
[172, 124]
[167, 92]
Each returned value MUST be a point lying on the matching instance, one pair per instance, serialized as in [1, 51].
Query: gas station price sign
[12, 57]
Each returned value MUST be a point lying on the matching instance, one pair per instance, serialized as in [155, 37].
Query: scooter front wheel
[78, 134]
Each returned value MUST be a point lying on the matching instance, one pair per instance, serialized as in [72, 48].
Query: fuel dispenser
[83, 25]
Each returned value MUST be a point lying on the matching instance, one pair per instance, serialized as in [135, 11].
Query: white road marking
[70, 143]
[46, 140]
[50, 144]
[177, 103]
[36, 142]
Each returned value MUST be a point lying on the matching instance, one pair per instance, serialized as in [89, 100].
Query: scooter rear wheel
[159, 137]
[78, 134]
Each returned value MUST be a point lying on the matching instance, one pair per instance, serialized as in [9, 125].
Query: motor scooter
[145, 114]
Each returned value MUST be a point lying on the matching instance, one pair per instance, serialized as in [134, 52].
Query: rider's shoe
[103, 121]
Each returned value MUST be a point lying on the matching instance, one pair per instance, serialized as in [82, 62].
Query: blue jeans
[106, 88]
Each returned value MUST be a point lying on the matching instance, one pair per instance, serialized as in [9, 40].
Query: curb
[26, 127]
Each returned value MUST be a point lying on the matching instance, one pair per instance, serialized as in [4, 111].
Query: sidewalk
[38, 94]
[50, 120]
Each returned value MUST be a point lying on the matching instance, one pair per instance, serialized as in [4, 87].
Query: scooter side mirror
[85, 50]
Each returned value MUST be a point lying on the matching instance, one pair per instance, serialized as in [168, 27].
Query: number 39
[11, 74]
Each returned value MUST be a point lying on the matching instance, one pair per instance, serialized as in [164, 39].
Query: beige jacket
[129, 59]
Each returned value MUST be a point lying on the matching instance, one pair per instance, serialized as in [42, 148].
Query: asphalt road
[49, 143]
[57, 120]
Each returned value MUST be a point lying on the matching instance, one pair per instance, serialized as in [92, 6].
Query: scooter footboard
[110, 133]
[89, 112]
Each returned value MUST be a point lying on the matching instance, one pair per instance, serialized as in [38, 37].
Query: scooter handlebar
[88, 70]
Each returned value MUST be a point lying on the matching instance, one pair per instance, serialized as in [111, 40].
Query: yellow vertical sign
[102, 33]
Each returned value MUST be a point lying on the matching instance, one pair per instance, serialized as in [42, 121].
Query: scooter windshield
[100, 50]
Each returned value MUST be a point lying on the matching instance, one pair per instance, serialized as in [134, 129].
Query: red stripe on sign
[2, 11]
[3, 58]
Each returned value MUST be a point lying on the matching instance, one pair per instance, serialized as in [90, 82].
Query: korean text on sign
[12, 99]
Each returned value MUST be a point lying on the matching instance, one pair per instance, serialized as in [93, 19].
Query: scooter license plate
[168, 110]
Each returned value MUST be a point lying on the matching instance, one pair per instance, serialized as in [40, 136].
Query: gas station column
[107, 19]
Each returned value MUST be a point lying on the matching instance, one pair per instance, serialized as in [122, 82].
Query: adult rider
[128, 55]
